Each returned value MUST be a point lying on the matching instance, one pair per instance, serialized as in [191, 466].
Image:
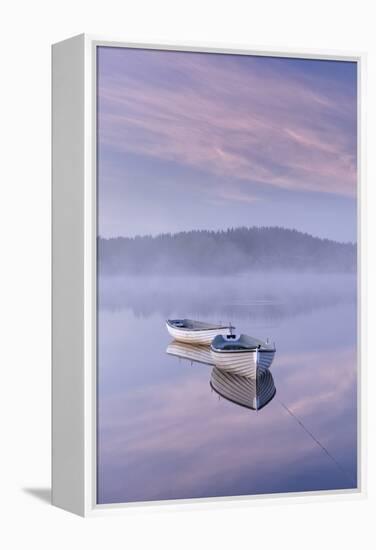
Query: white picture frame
[74, 211]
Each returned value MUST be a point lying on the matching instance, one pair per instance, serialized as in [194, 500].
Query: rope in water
[339, 466]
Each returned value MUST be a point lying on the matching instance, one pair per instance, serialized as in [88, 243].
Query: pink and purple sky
[210, 141]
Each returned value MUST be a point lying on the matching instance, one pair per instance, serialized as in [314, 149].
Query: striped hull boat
[241, 354]
[246, 392]
[194, 332]
[190, 352]
[245, 363]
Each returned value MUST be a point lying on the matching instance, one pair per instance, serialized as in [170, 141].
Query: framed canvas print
[206, 274]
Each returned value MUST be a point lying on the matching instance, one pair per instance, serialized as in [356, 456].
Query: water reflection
[164, 434]
[265, 299]
[190, 352]
[251, 392]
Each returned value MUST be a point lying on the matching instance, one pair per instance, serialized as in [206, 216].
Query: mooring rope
[339, 466]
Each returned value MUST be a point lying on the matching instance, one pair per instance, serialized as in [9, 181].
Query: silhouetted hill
[227, 252]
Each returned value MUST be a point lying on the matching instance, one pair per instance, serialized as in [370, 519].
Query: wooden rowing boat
[242, 355]
[195, 332]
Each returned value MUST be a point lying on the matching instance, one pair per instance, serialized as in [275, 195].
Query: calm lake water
[164, 433]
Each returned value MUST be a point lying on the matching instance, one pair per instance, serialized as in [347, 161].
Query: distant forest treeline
[232, 251]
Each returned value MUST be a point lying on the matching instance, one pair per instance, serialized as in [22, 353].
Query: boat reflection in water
[190, 352]
[253, 392]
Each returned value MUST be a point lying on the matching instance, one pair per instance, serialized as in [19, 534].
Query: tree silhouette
[226, 252]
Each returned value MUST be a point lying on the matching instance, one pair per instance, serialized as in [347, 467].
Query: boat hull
[198, 337]
[245, 363]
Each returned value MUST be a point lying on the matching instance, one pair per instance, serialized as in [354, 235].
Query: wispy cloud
[240, 118]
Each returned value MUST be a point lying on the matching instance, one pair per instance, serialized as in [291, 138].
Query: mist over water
[263, 295]
[163, 432]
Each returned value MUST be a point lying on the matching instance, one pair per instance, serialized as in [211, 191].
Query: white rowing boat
[195, 332]
[253, 393]
[242, 355]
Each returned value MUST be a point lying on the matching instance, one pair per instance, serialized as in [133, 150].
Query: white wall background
[27, 30]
